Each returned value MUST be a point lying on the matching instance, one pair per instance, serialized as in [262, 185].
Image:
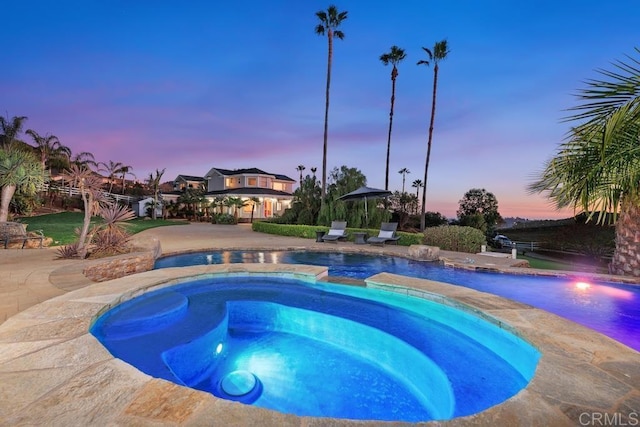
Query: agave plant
[68, 251]
[111, 236]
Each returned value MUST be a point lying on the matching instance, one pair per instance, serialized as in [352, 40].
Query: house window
[252, 182]
[264, 182]
[278, 186]
[229, 182]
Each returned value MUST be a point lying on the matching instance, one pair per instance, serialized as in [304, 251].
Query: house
[183, 182]
[267, 194]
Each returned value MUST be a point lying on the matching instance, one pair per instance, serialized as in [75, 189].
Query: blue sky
[192, 85]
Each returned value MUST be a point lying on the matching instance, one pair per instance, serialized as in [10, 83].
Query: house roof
[190, 178]
[256, 171]
[245, 191]
[283, 177]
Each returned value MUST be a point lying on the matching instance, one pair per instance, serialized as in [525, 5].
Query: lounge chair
[338, 231]
[387, 234]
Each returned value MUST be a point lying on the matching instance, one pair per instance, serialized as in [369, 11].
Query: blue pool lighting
[320, 349]
[612, 309]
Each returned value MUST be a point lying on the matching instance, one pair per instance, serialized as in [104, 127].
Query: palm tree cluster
[54, 160]
[597, 169]
[330, 21]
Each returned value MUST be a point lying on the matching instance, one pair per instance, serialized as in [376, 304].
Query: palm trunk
[394, 74]
[7, 195]
[154, 215]
[426, 166]
[326, 118]
[626, 257]
[82, 243]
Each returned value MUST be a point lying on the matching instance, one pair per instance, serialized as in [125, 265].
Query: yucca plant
[111, 236]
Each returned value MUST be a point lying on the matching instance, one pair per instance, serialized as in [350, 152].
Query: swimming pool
[350, 352]
[612, 309]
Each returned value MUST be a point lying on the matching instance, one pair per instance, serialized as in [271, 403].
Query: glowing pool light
[583, 285]
[352, 352]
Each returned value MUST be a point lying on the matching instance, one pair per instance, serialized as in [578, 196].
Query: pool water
[319, 349]
[612, 309]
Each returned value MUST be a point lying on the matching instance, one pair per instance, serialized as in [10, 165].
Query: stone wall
[119, 266]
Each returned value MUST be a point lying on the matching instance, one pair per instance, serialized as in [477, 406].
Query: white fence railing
[73, 191]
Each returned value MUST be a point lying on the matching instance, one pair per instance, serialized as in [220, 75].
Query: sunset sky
[191, 85]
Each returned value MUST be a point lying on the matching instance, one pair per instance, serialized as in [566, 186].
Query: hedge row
[447, 237]
[309, 232]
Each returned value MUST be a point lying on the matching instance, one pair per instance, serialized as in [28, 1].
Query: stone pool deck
[52, 372]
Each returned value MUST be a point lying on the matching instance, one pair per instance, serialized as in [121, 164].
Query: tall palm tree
[404, 172]
[330, 20]
[393, 57]
[154, 183]
[300, 168]
[597, 169]
[49, 147]
[84, 159]
[255, 201]
[440, 52]
[126, 170]
[417, 183]
[10, 130]
[19, 171]
[113, 169]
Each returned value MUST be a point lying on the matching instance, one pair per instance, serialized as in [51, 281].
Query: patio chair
[387, 234]
[338, 231]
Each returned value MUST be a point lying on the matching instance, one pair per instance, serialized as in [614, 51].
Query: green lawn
[61, 226]
[545, 264]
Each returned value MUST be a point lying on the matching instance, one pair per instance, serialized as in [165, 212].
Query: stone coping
[53, 370]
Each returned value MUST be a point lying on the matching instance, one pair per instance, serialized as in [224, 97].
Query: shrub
[223, 219]
[304, 231]
[309, 232]
[407, 239]
[455, 238]
[68, 251]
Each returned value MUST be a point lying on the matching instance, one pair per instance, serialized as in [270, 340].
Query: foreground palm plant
[597, 169]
